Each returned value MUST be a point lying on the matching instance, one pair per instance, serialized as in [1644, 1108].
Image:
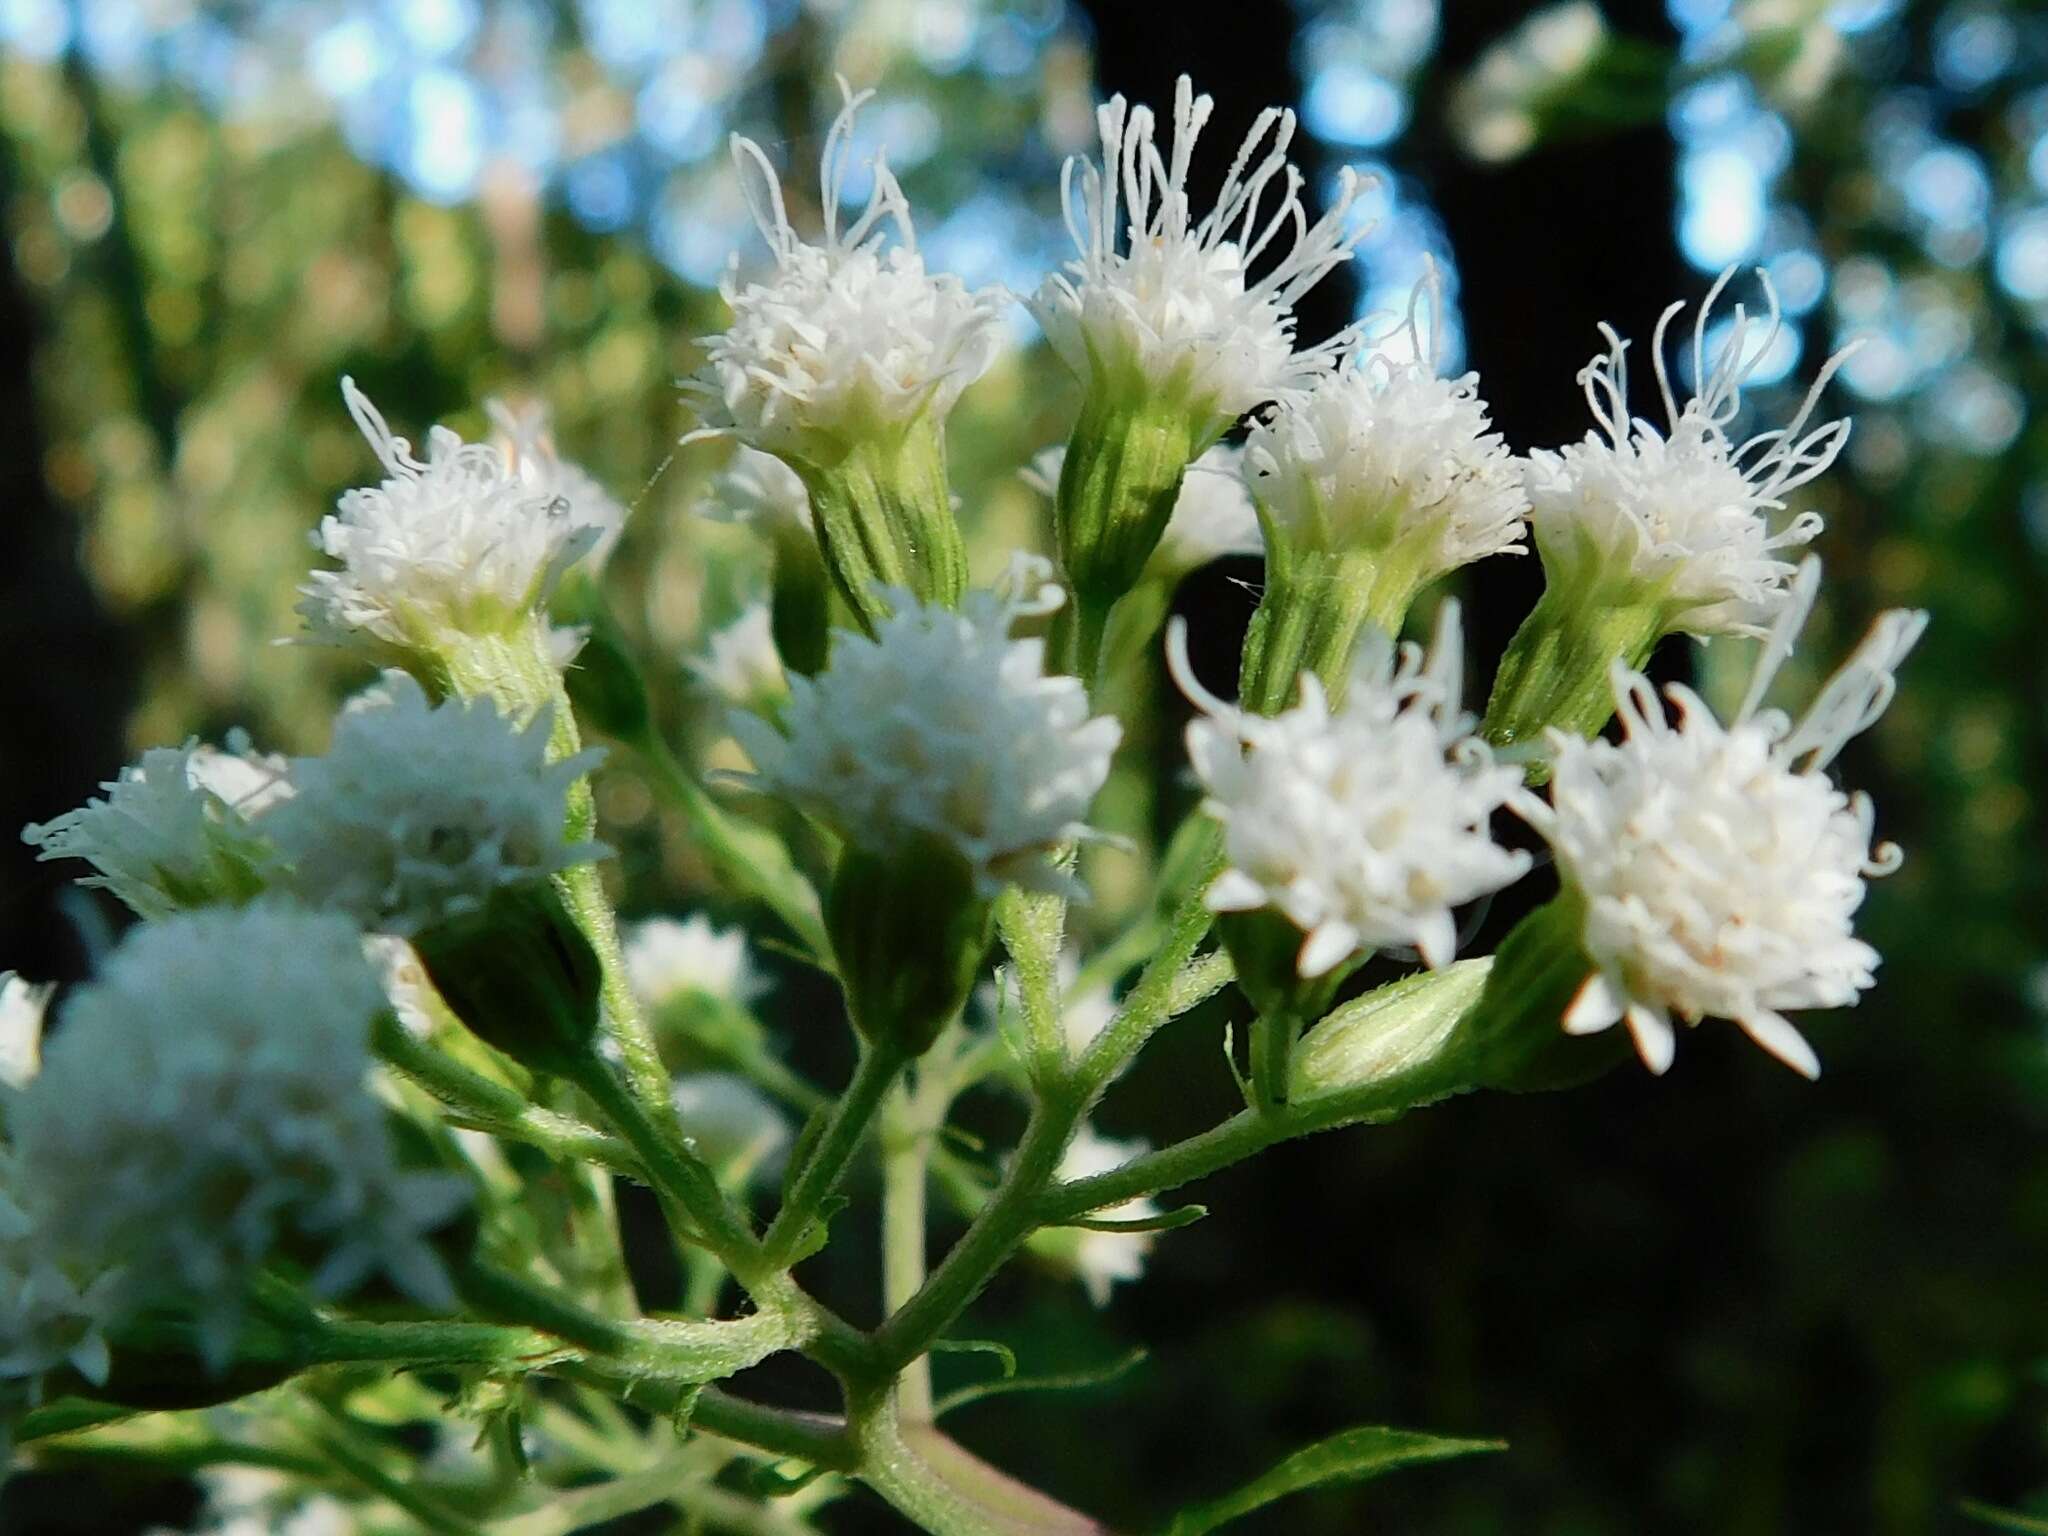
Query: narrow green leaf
[1353, 1456]
[2006, 1519]
[1003, 1352]
[1066, 1381]
[1165, 1221]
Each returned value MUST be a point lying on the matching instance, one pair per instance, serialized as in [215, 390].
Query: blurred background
[1723, 1302]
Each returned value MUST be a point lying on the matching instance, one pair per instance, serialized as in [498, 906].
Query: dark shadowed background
[1726, 1301]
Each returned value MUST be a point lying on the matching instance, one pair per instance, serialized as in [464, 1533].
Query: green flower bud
[909, 930]
[521, 974]
[1409, 1028]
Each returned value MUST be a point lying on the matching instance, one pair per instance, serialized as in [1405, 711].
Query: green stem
[820, 1439]
[745, 857]
[822, 1172]
[677, 1173]
[906, 1144]
[479, 1103]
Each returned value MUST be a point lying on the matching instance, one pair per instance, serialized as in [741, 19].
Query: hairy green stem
[823, 1170]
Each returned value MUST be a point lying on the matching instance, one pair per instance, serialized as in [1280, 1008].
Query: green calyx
[1122, 475]
[1316, 606]
[884, 518]
[521, 974]
[908, 929]
[1514, 1038]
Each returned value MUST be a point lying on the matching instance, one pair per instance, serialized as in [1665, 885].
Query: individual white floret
[419, 811]
[460, 544]
[1719, 866]
[1363, 826]
[203, 1110]
[1684, 517]
[942, 725]
[1166, 299]
[845, 339]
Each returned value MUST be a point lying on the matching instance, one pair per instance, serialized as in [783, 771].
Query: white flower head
[728, 1122]
[1212, 518]
[205, 1104]
[1383, 452]
[943, 725]
[668, 958]
[175, 830]
[1363, 826]
[757, 488]
[461, 543]
[419, 811]
[740, 663]
[1687, 514]
[526, 439]
[1721, 869]
[844, 339]
[1104, 1259]
[1158, 294]
[23, 1005]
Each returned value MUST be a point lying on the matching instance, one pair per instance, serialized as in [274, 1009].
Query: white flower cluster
[1157, 295]
[237, 1124]
[1685, 515]
[756, 487]
[944, 725]
[471, 541]
[526, 440]
[1364, 826]
[845, 338]
[668, 958]
[1382, 451]
[175, 830]
[419, 811]
[740, 662]
[1212, 518]
[1720, 867]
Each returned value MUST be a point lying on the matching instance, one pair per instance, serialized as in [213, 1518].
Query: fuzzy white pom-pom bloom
[942, 725]
[668, 957]
[1213, 517]
[205, 1105]
[1687, 514]
[526, 439]
[740, 662]
[1105, 1259]
[460, 543]
[758, 488]
[1157, 293]
[419, 811]
[1720, 867]
[1362, 826]
[843, 339]
[174, 830]
[1382, 451]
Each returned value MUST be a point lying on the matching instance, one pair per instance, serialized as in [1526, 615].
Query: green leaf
[1165, 1221]
[1003, 1352]
[1066, 1381]
[2006, 1519]
[1353, 1456]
